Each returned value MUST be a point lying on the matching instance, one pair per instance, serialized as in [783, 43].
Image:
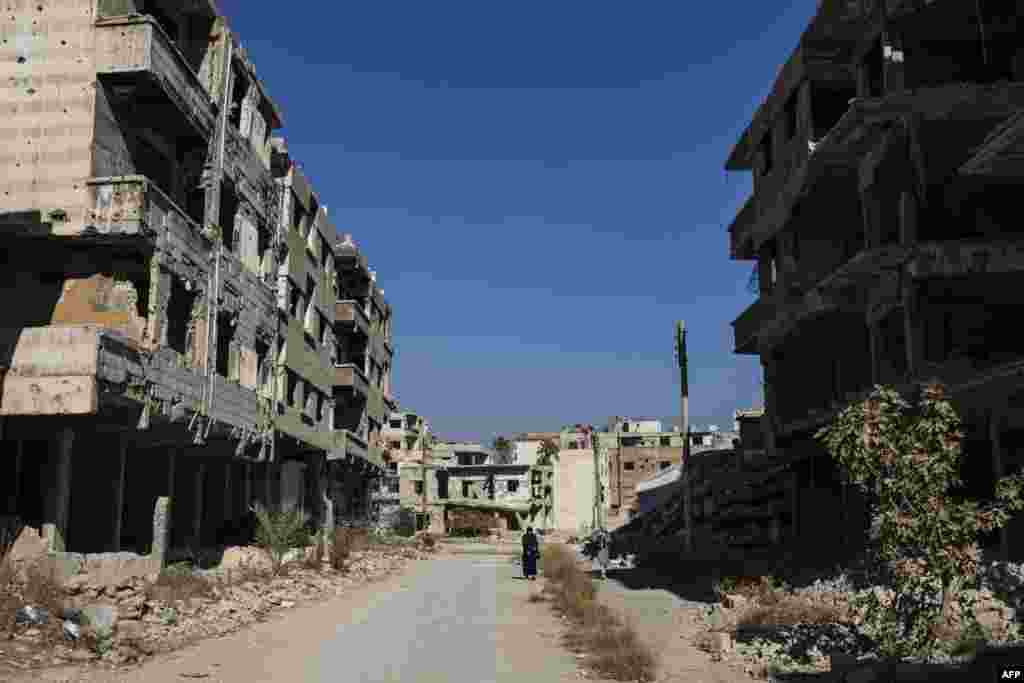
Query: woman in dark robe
[531, 551]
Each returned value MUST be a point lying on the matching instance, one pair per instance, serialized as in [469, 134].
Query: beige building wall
[574, 489]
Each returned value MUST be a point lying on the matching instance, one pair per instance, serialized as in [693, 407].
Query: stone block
[29, 546]
[130, 628]
[100, 617]
[118, 569]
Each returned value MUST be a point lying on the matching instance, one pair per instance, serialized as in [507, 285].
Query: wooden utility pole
[684, 398]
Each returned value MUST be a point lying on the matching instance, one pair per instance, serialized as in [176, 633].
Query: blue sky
[539, 186]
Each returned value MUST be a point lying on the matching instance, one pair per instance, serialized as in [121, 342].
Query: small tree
[504, 449]
[279, 532]
[907, 458]
[547, 452]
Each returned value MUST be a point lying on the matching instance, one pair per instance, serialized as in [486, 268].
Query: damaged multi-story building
[634, 449]
[406, 437]
[170, 352]
[363, 356]
[885, 161]
[459, 476]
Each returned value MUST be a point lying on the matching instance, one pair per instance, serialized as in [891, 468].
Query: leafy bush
[907, 458]
[277, 532]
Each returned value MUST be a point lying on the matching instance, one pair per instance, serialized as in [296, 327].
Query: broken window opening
[828, 104]
[294, 300]
[239, 87]
[666, 441]
[628, 466]
[179, 315]
[466, 488]
[873, 67]
[292, 381]
[512, 485]
[952, 42]
[228, 212]
[262, 350]
[227, 355]
[298, 215]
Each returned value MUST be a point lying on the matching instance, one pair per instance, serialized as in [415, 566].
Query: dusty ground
[668, 624]
[461, 618]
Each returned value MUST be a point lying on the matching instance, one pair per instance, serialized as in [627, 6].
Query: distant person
[531, 551]
[604, 543]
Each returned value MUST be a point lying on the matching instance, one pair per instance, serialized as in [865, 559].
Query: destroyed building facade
[885, 161]
[174, 347]
[635, 449]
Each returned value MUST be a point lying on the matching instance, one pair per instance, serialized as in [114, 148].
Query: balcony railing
[136, 45]
[348, 375]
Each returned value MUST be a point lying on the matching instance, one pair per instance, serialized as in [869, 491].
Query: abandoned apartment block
[885, 162]
[188, 336]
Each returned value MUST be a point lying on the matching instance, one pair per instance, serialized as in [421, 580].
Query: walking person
[531, 551]
[603, 552]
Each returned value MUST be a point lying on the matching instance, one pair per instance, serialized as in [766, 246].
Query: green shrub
[277, 532]
[906, 458]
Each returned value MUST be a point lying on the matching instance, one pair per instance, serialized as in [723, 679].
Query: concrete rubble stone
[102, 617]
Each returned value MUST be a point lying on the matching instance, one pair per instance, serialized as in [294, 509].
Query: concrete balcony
[59, 369]
[739, 231]
[131, 205]
[351, 376]
[350, 315]
[132, 50]
[746, 326]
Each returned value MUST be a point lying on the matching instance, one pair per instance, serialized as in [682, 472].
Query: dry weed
[789, 610]
[613, 647]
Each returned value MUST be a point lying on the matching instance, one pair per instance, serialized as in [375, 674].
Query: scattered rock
[102, 617]
[130, 628]
[82, 655]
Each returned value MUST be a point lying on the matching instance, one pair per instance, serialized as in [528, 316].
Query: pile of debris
[741, 628]
[129, 619]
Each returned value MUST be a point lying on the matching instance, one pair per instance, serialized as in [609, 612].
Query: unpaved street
[457, 618]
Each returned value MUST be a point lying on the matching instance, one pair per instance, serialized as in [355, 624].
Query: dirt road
[457, 618]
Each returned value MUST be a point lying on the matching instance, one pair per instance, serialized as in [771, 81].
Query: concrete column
[228, 503]
[913, 325]
[59, 497]
[875, 344]
[118, 485]
[995, 437]
[197, 512]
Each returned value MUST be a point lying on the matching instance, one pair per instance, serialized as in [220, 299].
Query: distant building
[633, 449]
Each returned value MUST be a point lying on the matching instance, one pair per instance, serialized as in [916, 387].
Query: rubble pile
[998, 599]
[126, 621]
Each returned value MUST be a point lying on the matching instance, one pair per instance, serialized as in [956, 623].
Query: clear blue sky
[539, 186]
